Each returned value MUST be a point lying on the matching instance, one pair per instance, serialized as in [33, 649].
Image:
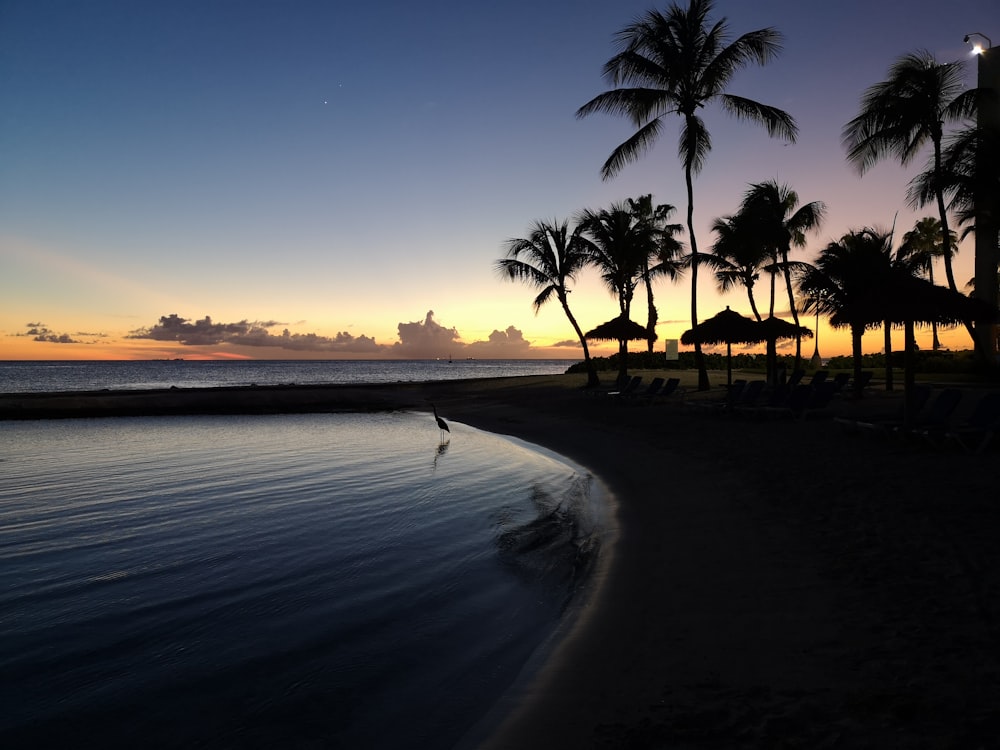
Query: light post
[987, 198]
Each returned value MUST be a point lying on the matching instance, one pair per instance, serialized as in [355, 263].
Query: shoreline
[774, 582]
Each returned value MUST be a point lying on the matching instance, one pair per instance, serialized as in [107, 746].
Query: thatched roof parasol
[727, 327]
[618, 329]
[772, 329]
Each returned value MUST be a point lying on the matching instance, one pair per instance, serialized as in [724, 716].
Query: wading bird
[441, 423]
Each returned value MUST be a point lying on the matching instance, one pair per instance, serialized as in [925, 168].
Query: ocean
[318, 580]
[25, 376]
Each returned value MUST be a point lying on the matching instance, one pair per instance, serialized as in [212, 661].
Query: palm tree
[676, 63]
[781, 224]
[903, 113]
[618, 245]
[548, 259]
[662, 252]
[848, 282]
[737, 256]
[923, 244]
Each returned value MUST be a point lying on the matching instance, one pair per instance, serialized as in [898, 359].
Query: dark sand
[775, 583]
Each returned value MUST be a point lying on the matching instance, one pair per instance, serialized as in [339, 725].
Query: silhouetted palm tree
[848, 283]
[961, 180]
[737, 256]
[662, 257]
[619, 246]
[903, 113]
[676, 63]
[923, 245]
[781, 224]
[548, 259]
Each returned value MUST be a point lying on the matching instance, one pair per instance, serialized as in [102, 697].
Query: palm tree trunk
[592, 380]
[946, 252]
[699, 358]
[753, 303]
[651, 316]
[909, 374]
[888, 355]
[935, 342]
[856, 333]
[795, 314]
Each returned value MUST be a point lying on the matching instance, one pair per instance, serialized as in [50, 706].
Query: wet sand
[775, 583]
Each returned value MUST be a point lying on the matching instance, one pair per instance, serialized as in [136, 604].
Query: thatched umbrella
[913, 301]
[622, 330]
[727, 327]
[771, 329]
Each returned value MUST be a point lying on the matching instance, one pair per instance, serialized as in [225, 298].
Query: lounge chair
[840, 380]
[620, 383]
[934, 421]
[885, 423]
[747, 398]
[801, 402]
[654, 387]
[819, 376]
[633, 385]
[974, 434]
[795, 378]
[670, 387]
[733, 394]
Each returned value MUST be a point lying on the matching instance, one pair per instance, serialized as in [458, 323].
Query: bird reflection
[441, 450]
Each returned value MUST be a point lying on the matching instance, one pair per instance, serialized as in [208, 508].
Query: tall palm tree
[848, 282]
[662, 253]
[618, 245]
[781, 223]
[900, 115]
[924, 245]
[737, 256]
[676, 63]
[549, 258]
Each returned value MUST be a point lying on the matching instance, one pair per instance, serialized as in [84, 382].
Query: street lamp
[977, 47]
[987, 199]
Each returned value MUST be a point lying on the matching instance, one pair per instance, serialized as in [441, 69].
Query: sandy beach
[774, 582]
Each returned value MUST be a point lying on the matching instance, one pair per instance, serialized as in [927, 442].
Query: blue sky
[336, 171]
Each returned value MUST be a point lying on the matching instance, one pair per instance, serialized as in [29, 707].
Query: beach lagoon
[334, 580]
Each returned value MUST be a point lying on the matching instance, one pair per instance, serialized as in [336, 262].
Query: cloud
[568, 343]
[41, 332]
[206, 332]
[422, 339]
[426, 339]
[507, 344]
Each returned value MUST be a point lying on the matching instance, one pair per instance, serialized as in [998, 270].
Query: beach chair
[733, 393]
[773, 403]
[934, 422]
[671, 387]
[654, 387]
[866, 378]
[747, 398]
[795, 378]
[840, 380]
[976, 432]
[751, 394]
[818, 377]
[885, 423]
[630, 388]
[620, 383]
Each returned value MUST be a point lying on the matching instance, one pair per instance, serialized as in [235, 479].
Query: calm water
[326, 580]
[20, 377]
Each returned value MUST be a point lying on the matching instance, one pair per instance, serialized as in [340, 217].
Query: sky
[312, 179]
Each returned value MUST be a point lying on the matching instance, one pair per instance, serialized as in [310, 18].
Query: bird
[441, 423]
